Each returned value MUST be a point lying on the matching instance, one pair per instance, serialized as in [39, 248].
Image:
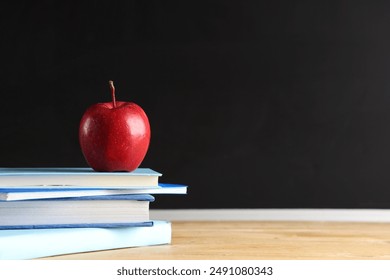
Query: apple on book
[114, 136]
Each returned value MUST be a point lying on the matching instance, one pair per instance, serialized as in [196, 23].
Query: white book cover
[12, 194]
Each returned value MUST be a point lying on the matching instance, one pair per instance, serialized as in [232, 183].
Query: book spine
[37, 243]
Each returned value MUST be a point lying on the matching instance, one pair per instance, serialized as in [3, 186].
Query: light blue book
[12, 194]
[37, 243]
[81, 177]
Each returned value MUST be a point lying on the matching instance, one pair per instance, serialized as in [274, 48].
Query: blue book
[10, 194]
[80, 177]
[79, 212]
[37, 243]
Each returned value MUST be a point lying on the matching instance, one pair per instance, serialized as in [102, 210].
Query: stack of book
[54, 211]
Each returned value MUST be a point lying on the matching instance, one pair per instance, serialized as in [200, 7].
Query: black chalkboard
[253, 104]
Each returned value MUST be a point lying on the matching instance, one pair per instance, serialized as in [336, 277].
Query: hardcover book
[7, 194]
[88, 211]
[81, 177]
[37, 243]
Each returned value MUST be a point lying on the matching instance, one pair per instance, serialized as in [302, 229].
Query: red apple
[114, 136]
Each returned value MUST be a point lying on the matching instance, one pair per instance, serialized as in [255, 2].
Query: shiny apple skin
[114, 138]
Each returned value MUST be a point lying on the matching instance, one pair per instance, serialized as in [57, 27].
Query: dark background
[253, 104]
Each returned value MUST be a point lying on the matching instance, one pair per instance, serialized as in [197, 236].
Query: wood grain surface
[261, 240]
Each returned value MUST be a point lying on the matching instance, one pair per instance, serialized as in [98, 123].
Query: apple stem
[112, 93]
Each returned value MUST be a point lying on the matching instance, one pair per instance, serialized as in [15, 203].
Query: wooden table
[261, 240]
